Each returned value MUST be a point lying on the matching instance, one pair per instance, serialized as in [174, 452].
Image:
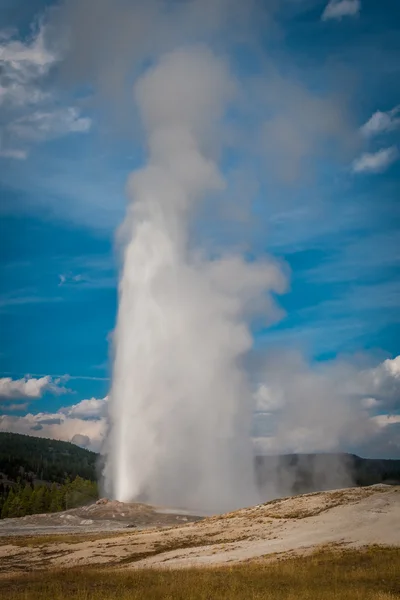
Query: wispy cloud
[23, 297]
[382, 122]
[371, 301]
[24, 65]
[88, 280]
[14, 154]
[46, 125]
[12, 408]
[376, 162]
[88, 377]
[66, 278]
[68, 377]
[337, 9]
[353, 314]
[359, 258]
[31, 109]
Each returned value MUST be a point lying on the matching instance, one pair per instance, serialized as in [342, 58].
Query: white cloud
[47, 125]
[83, 423]
[392, 366]
[299, 408]
[384, 420]
[376, 162]
[327, 407]
[29, 387]
[89, 433]
[93, 408]
[384, 383]
[337, 9]
[382, 122]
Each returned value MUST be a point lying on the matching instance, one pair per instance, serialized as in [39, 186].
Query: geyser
[180, 405]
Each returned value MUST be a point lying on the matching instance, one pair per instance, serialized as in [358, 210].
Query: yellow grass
[59, 538]
[330, 574]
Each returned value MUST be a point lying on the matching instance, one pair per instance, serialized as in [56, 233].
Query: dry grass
[328, 574]
[169, 546]
[58, 538]
[311, 505]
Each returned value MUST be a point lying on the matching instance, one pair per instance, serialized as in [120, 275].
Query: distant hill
[39, 475]
[32, 461]
[301, 473]
[32, 458]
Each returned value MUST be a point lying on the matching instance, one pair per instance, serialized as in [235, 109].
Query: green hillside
[33, 458]
[41, 475]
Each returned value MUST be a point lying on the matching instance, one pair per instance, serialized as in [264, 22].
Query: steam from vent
[180, 405]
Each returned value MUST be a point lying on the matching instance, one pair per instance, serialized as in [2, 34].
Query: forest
[28, 499]
[39, 475]
[33, 458]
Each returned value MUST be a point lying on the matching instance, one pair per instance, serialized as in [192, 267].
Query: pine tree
[56, 499]
[38, 505]
[46, 499]
[14, 504]
[6, 506]
[26, 500]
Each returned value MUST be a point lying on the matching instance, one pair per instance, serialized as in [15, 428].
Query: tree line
[24, 498]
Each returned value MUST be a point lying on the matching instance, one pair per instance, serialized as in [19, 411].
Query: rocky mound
[102, 515]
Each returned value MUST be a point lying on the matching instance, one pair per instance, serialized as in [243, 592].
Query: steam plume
[180, 405]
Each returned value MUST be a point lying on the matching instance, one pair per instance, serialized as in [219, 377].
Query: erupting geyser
[180, 404]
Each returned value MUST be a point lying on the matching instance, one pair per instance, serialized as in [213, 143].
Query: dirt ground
[351, 517]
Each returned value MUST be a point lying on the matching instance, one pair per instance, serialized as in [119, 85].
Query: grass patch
[326, 575]
[169, 546]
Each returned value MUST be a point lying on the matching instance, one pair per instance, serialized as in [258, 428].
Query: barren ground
[353, 517]
[102, 516]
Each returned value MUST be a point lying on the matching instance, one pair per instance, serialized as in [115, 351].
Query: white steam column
[180, 408]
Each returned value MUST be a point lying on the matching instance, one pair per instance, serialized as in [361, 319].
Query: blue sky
[307, 183]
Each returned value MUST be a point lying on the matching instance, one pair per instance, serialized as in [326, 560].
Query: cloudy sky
[310, 152]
